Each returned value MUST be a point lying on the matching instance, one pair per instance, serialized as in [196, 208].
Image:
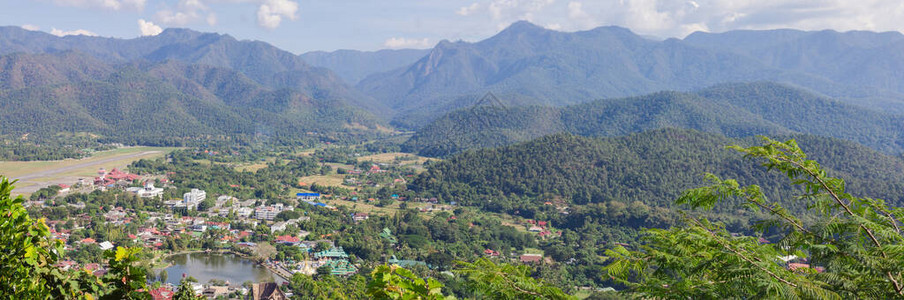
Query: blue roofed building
[308, 196]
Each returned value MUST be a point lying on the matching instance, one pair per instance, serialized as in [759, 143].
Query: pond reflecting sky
[204, 267]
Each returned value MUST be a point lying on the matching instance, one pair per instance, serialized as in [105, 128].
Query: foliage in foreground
[854, 249]
[28, 254]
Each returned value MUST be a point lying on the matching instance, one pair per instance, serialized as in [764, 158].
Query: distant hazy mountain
[158, 102]
[259, 61]
[353, 65]
[533, 65]
[735, 110]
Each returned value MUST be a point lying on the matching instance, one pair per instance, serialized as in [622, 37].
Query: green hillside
[653, 168]
[162, 104]
[734, 110]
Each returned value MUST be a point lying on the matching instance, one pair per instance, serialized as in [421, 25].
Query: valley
[531, 164]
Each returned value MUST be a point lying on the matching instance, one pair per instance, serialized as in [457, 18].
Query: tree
[324, 270]
[287, 215]
[440, 259]
[127, 280]
[394, 282]
[505, 281]
[321, 246]
[186, 292]
[855, 247]
[162, 276]
[27, 255]
[264, 251]
[327, 287]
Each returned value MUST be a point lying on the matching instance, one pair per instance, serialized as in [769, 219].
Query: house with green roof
[341, 267]
[331, 254]
[387, 235]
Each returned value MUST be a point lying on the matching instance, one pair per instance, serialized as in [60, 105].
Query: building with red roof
[531, 258]
[161, 293]
[287, 239]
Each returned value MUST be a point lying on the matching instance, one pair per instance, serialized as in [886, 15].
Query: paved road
[77, 166]
[28, 184]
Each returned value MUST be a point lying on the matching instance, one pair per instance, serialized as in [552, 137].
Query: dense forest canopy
[653, 167]
[734, 110]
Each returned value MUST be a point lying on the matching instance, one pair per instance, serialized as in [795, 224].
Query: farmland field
[389, 157]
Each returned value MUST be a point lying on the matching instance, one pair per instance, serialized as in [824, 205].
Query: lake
[207, 266]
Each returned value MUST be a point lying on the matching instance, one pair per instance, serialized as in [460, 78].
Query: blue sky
[305, 25]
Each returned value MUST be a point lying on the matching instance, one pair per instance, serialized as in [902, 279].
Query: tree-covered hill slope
[159, 103]
[652, 167]
[734, 110]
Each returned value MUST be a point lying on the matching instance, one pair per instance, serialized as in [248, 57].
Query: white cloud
[148, 29]
[137, 5]
[468, 10]
[31, 27]
[504, 12]
[212, 19]
[669, 18]
[677, 18]
[185, 12]
[271, 13]
[397, 43]
[175, 18]
[58, 32]
[576, 10]
[517, 8]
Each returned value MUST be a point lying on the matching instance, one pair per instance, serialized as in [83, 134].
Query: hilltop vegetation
[652, 167]
[160, 103]
[172, 88]
[734, 110]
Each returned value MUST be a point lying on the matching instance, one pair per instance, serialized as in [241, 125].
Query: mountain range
[529, 65]
[733, 110]
[179, 84]
[353, 66]
[53, 83]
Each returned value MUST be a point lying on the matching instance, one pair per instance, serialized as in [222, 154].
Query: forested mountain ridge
[652, 167]
[158, 103]
[734, 110]
[353, 65]
[267, 65]
[533, 65]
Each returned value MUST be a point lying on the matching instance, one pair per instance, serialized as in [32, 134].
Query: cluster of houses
[541, 228]
[257, 291]
[113, 177]
[335, 258]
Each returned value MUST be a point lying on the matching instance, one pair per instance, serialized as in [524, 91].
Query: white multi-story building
[195, 196]
[244, 212]
[269, 212]
[148, 191]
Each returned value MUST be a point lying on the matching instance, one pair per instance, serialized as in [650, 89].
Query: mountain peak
[522, 27]
[178, 34]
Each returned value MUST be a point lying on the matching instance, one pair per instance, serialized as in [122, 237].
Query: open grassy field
[33, 175]
[389, 157]
[364, 207]
[327, 180]
[254, 166]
